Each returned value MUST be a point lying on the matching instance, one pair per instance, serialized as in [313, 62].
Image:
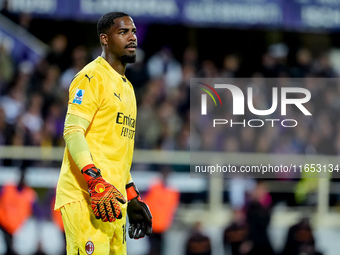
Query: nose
[132, 37]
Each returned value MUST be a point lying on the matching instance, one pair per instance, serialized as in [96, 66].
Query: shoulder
[91, 73]
[94, 69]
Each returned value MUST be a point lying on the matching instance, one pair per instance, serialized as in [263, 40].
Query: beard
[128, 59]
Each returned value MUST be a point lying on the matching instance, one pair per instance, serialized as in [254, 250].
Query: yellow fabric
[74, 131]
[129, 179]
[82, 227]
[108, 103]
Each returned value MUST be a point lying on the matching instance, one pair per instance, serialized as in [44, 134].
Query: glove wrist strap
[132, 192]
[87, 168]
[90, 172]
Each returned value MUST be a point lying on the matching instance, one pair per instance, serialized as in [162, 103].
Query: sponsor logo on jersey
[129, 124]
[78, 97]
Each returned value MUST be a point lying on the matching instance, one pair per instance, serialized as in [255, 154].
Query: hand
[105, 198]
[140, 217]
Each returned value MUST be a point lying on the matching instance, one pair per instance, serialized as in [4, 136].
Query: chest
[119, 100]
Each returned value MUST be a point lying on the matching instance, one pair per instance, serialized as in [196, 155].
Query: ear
[103, 39]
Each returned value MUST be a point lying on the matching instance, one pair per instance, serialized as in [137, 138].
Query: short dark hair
[107, 20]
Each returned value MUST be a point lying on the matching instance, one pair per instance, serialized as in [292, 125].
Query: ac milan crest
[89, 247]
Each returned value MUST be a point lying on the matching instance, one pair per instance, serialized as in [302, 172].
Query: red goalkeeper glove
[105, 197]
[140, 217]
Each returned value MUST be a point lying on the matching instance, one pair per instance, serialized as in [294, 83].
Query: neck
[114, 62]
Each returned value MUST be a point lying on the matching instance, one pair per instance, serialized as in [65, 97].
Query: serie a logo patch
[78, 97]
[89, 247]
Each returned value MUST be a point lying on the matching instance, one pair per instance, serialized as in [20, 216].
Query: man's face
[122, 40]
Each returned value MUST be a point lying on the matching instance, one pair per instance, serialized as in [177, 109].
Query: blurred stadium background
[44, 43]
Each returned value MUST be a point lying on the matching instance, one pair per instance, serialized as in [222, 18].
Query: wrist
[87, 167]
[90, 172]
[132, 192]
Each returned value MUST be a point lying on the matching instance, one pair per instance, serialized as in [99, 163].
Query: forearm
[74, 136]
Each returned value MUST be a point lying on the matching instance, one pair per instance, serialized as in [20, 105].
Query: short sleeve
[86, 94]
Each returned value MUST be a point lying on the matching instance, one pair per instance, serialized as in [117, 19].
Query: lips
[131, 46]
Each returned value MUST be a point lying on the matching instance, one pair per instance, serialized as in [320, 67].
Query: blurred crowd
[246, 233]
[34, 96]
[316, 134]
[33, 99]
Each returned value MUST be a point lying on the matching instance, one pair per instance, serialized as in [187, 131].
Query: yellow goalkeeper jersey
[107, 100]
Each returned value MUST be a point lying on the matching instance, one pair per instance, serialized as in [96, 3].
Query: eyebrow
[124, 28]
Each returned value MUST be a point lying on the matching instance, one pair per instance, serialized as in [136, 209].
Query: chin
[128, 58]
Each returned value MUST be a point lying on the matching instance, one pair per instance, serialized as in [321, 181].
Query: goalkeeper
[95, 191]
